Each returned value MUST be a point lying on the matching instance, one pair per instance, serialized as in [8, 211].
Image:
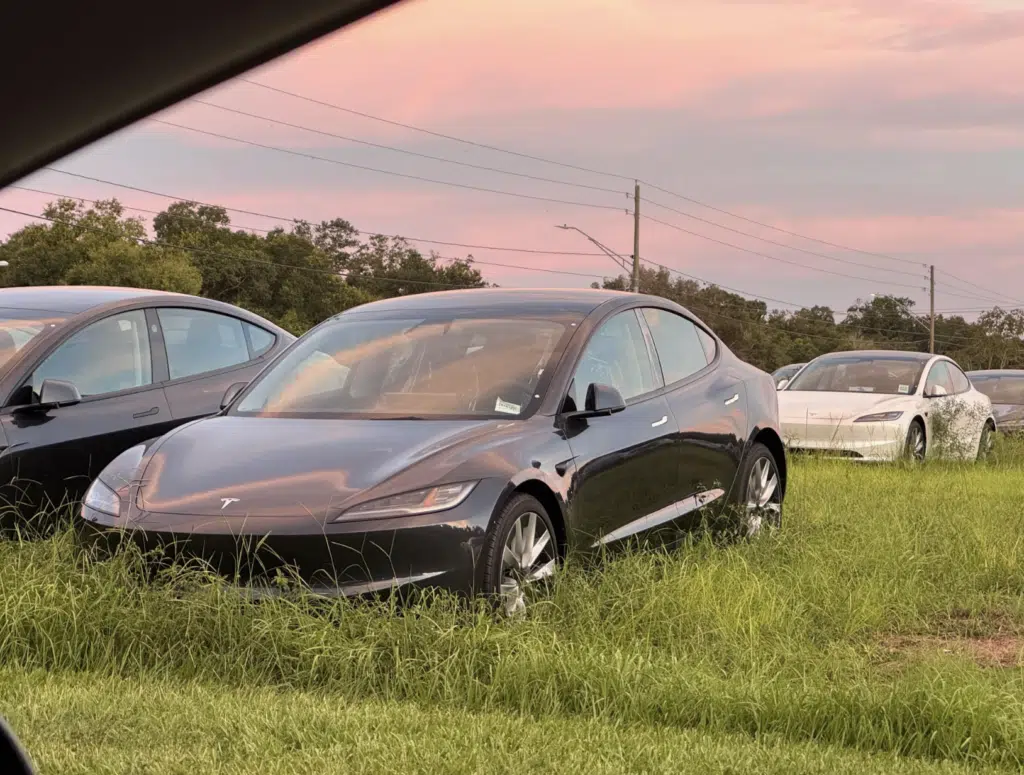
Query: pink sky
[891, 126]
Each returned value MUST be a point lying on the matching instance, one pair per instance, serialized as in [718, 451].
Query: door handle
[733, 400]
[662, 421]
[147, 413]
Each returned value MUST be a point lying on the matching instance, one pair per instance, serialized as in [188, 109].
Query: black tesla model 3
[461, 439]
[87, 372]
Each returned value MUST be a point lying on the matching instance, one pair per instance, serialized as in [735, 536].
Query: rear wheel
[760, 497]
[985, 443]
[917, 445]
[521, 553]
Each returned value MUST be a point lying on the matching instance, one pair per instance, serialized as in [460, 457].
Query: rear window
[1001, 390]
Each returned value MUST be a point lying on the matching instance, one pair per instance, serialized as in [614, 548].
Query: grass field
[880, 631]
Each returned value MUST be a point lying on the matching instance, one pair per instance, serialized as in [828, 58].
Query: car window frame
[693, 376]
[213, 372]
[156, 370]
[651, 354]
[955, 369]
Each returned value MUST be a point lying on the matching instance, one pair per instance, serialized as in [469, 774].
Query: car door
[973, 408]
[54, 453]
[943, 421]
[626, 468]
[207, 352]
[708, 404]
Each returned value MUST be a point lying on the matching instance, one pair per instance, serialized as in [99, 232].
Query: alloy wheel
[764, 498]
[915, 442]
[529, 557]
[985, 444]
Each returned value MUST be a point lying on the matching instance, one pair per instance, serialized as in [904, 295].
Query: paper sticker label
[904, 388]
[506, 407]
[124, 325]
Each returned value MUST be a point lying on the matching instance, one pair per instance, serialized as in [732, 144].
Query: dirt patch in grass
[992, 651]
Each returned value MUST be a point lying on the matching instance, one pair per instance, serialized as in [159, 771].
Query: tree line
[302, 275]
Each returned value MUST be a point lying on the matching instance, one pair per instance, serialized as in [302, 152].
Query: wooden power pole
[636, 238]
[931, 283]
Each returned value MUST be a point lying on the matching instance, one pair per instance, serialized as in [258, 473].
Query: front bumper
[868, 441]
[340, 558]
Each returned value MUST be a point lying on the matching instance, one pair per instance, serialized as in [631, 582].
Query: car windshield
[1001, 390]
[860, 374]
[411, 367]
[19, 327]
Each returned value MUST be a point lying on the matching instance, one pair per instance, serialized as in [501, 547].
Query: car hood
[275, 467]
[805, 405]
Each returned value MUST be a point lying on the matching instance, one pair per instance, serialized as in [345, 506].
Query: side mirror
[602, 400]
[782, 384]
[231, 394]
[936, 391]
[58, 392]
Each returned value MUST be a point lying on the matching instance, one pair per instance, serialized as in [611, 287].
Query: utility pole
[636, 238]
[931, 282]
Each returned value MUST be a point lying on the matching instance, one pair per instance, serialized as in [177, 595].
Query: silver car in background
[1005, 388]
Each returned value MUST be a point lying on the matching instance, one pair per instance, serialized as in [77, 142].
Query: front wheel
[916, 442]
[521, 552]
[760, 499]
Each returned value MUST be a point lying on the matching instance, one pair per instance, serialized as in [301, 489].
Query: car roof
[71, 299]
[902, 355]
[571, 300]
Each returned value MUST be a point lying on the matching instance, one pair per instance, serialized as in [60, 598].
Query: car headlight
[880, 417]
[426, 501]
[103, 495]
[100, 497]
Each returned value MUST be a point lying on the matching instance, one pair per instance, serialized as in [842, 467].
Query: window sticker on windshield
[506, 407]
[124, 325]
[904, 388]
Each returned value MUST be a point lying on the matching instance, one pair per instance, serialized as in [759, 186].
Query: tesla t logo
[225, 502]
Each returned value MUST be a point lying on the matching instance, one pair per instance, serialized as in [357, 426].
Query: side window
[198, 341]
[960, 382]
[678, 344]
[939, 375]
[259, 340]
[104, 357]
[616, 355]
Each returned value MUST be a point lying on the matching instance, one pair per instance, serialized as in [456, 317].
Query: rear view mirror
[782, 384]
[602, 400]
[936, 391]
[232, 393]
[58, 392]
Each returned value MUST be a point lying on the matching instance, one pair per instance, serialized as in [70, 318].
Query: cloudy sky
[891, 131]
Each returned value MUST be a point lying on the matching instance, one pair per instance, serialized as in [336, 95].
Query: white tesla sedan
[883, 405]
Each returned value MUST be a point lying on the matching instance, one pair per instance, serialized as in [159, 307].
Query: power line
[432, 133]
[774, 258]
[411, 153]
[566, 165]
[292, 220]
[779, 244]
[762, 224]
[405, 175]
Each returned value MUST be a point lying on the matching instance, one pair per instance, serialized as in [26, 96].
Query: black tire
[757, 513]
[504, 582]
[916, 446]
[985, 442]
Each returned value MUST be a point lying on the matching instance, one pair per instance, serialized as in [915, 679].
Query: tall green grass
[789, 638]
